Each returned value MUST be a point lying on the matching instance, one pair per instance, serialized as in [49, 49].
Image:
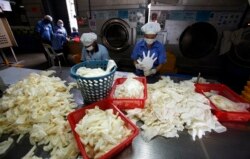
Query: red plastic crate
[77, 115]
[128, 103]
[223, 90]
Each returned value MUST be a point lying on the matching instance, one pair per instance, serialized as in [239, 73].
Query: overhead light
[149, 5]
[5, 6]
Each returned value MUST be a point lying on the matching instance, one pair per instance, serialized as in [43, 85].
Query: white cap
[88, 38]
[48, 17]
[151, 28]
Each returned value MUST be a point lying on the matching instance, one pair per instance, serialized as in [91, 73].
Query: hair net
[48, 17]
[151, 28]
[88, 38]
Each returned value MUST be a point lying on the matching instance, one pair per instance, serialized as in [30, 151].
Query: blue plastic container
[94, 89]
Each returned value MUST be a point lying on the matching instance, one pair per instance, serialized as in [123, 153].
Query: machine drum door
[115, 34]
[241, 52]
[198, 40]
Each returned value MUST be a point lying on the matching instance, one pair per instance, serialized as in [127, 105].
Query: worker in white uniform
[92, 50]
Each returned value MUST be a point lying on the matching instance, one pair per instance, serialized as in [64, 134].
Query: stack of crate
[246, 92]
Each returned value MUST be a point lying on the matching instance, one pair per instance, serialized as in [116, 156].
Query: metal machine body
[117, 25]
[188, 28]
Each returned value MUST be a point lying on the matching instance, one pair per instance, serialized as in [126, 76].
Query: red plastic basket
[223, 90]
[128, 103]
[77, 115]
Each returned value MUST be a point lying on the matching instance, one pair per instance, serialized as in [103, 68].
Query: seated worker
[74, 36]
[92, 50]
[149, 55]
[74, 33]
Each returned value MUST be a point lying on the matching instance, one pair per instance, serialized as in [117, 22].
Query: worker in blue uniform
[92, 50]
[74, 33]
[59, 37]
[60, 27]
[149, 55]
[58, 41]
[44, 29]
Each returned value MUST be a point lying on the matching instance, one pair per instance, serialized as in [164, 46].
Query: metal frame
[52, 55]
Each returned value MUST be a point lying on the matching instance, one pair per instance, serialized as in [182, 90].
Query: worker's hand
[147, 61]
[149, 72]
[139, 66]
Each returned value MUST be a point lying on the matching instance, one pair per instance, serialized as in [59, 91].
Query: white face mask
[60, 25]
[90, 48]
[149, 41]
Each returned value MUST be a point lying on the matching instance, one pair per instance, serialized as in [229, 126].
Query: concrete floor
[28, 60]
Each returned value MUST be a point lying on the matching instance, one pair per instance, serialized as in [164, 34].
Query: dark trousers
[150, 79]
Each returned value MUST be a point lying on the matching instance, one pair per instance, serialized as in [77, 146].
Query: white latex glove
[111, 65]
[149, 72]
[139, 66]
[147, 61]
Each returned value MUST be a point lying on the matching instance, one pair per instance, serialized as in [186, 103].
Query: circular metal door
[240, 53]
[198, 40]
[115, 34]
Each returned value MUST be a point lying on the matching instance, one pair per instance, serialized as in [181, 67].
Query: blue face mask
[60, 25]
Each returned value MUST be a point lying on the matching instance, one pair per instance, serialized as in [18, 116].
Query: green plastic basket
[94, 89]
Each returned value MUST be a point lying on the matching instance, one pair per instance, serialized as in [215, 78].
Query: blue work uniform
[62, 30]
[45, 30]
[101, 54]
[157, 48]
[58, 40]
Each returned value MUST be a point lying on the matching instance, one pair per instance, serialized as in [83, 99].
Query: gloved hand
[149, 72]
[139, 66]
[147, 61]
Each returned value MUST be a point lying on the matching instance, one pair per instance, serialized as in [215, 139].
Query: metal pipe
[90, 14]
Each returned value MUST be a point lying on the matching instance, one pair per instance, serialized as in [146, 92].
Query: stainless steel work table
[232, 144]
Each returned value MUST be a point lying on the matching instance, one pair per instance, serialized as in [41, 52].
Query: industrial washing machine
[194, 33]
[118, 29]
